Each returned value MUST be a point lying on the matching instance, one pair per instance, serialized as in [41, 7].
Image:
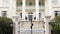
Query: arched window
[30, 16]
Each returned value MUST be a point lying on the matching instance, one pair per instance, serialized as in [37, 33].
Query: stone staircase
[33, 31]
[37, 28]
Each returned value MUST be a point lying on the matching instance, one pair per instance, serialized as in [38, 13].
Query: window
[4, 13]
[39, 15]
[39, 3]
[57, 13]
[20, 3]
[55, 1]
[26, 18]
[30, 17]
[5, 2]
[20, 15]
[30, 3]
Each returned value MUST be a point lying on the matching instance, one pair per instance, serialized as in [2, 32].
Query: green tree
[55, 24]
[5, 25]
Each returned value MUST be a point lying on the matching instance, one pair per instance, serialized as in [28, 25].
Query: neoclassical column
[48, 7]
[48, 12]
[37, 9]
[47, 28]
[15, 21]
[23, 9]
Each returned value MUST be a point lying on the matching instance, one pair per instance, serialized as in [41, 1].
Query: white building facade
[30, 16]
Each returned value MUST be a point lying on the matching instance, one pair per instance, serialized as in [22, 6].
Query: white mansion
[30, 16]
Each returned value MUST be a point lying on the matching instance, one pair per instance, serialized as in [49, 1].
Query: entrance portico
[35, 10]
[24, 27]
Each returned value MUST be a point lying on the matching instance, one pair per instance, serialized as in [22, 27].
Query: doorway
[30, 17]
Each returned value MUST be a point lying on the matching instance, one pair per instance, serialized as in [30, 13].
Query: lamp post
[31, 26]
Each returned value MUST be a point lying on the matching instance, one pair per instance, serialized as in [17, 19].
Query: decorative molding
[4, 7]
[56, 7]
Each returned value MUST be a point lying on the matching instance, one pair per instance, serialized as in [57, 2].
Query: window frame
[4, 13]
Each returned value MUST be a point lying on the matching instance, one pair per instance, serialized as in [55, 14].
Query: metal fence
[33, 31]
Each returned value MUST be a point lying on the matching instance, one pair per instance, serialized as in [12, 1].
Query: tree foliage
[55, 25]
[5, 25]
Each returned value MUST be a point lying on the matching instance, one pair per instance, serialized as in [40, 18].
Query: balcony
[30, 7]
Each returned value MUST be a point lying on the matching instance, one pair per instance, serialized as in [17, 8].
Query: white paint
[37, 9]
[23, 9]
[47, 11]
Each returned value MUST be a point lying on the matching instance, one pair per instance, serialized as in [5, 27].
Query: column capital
[47, 18]
[15, 18]
[47, 24]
